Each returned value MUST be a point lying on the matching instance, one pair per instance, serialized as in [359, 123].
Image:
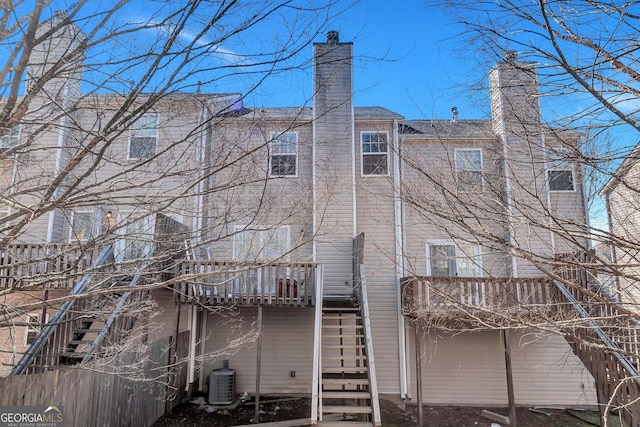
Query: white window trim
[72, 237]
[551, 167]
[28, 328]
[120, 246]
[18, 136]
[363, 154]
[477, 254]
[274, 136]
[156, 137]
[455, 161]
[238, 229]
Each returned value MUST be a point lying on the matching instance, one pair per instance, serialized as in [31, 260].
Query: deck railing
[44, 266]
[434, 296]
[240, 283]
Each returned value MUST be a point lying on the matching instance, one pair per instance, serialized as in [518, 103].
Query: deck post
[258, 362]
[419, 373]
[507, 362]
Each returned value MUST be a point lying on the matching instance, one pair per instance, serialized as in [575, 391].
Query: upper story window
[261, 245]
[446, 259]
[143, 137]
[283, 154]
[11, 139]
[468, 169]
[33, 328]
[375, 153]
[560, 174]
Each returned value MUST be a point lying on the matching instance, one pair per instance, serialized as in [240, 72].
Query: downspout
[353, 154]
[399, 239]
[507, 173]
[61, 137]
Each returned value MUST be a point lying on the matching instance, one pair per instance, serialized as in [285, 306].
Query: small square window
[469, 170]
[143, 137]
[375, 153]
[560, 176]
[10, 139]
[283, 159]
[560, 180]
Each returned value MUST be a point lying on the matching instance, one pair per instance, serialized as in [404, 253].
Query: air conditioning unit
[222, 385]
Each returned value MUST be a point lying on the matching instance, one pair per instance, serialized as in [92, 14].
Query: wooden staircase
[345, 388]
[84, 326]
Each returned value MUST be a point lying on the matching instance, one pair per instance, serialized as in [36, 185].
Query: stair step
[73, 355]
[346, 357]
[340, 317]
[344, 424]
[78, 342]
[88, 331]
[338, 346]
[343, 394]
[343, 326]
[346, 409]
[342, 369]
[343, 309]
[351, 335]
[344, 381]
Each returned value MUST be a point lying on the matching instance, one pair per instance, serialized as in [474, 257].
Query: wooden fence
[237, 283]
[130, 390]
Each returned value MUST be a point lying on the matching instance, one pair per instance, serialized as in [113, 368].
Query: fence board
[105, 394]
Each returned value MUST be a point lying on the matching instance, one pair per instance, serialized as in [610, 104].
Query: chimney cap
[333, 37]
[510, 56]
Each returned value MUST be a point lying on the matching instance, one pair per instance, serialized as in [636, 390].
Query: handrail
[632, 370]
[48, 330]
[316, 387]
[114, 314]
[364, 307]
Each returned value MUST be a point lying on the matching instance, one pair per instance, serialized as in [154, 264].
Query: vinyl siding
[287, 345]
[469, 369]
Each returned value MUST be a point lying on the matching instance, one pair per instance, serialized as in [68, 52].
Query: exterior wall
[469, 369]
[623, 206]
[434, 210]
[287, 345]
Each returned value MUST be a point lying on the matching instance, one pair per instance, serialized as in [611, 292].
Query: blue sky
[407, 59]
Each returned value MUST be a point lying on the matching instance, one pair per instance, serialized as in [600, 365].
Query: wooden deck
[43, 266]
[238, 283]
[442, 298]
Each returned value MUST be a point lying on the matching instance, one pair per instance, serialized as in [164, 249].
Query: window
[375, 153]
[283, 154]
[560, 171]
[261, 245]
[10, 140]
[468, 169]
[81, 226]
[33, 328]
[449, 260]
[143, 137]
[137, 236]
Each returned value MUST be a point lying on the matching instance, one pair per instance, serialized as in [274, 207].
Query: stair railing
[114, 315]
[364, 308]
[106, 256]
[316, 387]
[609, 379]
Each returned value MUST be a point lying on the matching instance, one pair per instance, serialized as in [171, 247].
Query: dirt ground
[279, 409]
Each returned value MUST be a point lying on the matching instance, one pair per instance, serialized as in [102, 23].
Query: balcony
[451, 300]
[43, 266]
[214, 283]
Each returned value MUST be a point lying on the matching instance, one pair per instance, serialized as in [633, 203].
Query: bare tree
[526, 203]
[126, 149]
